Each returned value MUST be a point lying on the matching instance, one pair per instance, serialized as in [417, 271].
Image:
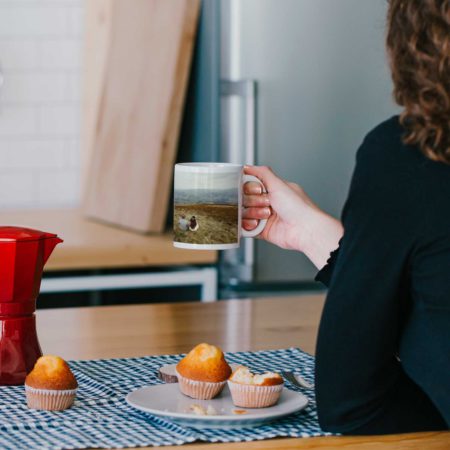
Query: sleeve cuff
[325, 273]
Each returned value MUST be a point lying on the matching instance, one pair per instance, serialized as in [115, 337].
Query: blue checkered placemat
[102, 418]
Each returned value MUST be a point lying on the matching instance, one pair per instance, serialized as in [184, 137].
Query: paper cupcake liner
[52, 400]
[253, 396]
[200, 390]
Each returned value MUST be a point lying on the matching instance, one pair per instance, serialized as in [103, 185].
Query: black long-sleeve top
[383, 351]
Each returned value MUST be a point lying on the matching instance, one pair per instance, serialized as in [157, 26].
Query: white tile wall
[40, 58]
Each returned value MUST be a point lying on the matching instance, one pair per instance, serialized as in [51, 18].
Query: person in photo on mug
[193, 224]
[183, 223]
[383, 350]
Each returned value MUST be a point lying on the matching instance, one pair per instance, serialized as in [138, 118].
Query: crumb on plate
[200, 410]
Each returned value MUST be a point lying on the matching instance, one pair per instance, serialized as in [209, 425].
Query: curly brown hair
[418, 43]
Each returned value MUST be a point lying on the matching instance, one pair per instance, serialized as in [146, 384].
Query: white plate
[166, 401]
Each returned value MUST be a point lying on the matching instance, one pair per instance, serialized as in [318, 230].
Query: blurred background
[99, 98]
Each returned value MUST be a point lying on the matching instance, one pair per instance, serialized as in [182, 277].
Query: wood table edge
[439, 440]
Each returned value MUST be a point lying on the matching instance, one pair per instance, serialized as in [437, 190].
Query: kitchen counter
[90, 245]
[93, 246]
[235, 325]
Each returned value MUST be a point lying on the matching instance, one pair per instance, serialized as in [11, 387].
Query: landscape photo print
[206, 207]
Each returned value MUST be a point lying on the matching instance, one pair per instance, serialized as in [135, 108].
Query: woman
[383, 351]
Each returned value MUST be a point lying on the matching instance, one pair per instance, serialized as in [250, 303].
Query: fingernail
[250, 224]
[255, 189]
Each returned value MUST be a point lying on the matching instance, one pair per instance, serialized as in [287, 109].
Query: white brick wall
[40, 57]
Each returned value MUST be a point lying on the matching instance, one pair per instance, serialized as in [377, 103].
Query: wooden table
[235, 325]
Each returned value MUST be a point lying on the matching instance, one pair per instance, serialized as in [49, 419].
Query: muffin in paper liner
[48, 399]
[200, 390]
[253, 395]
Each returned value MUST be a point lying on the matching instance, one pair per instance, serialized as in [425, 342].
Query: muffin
[51, 384]
[255, 391]
[203, 372]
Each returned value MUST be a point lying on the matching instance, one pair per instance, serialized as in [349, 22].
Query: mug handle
[262, 223]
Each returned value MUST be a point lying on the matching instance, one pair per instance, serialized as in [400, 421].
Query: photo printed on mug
[206, 207]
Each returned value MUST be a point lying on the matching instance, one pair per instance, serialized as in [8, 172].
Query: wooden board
[139, 113]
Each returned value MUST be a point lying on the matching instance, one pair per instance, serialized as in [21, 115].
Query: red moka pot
[23, 254]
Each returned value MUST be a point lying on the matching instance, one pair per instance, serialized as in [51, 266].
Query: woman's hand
[294, 221]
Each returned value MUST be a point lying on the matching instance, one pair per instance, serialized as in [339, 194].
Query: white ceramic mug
[208, 206]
